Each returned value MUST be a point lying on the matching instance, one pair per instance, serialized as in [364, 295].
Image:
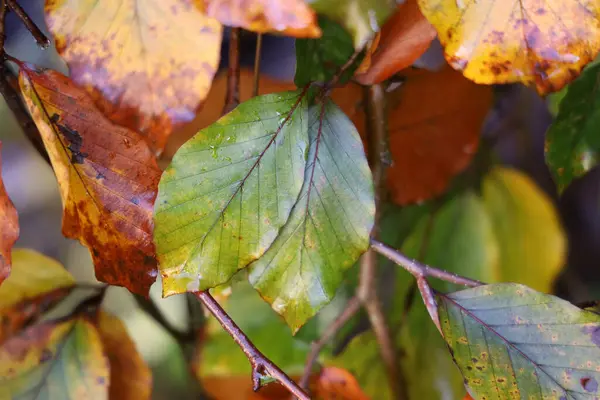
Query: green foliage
[512, 342]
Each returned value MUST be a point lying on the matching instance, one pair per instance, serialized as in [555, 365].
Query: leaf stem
[232, 96]
[261, 365]
[255, 87]
[421, 270]
[36, 32]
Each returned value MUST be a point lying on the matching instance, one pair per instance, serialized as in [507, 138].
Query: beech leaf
[107, 177]
[545, 44]
[512, 342]
[229, 190]
[148, 65]
[329, 226]
[9, 229]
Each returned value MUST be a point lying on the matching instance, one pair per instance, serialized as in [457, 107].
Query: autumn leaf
[290, 17]
[130, 377]
[9, 232]
[545, 44]
[403, 39]
[148, 66]
[107, 176]
[337, 383]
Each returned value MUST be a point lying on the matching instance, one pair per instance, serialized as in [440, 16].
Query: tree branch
[257, 54]
[232, 97]
[36, 32]
[420, 270]
[261, 365]
[3, 12]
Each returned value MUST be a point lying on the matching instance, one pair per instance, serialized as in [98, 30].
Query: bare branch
[232, 97]
[36, 32]
[261, 365]
[257, 54]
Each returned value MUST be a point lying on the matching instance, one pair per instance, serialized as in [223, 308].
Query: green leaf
[362, 18]
[318, 60]
[512, 342]
[54, 360]
[573, 141]
[229, 190]
[328, 228]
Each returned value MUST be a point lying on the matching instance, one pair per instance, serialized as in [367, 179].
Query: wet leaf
[290, 17]
[435, 123]
[54, 360]
[318, 60]
[361, 18]
[545, 44]
[572, 142]
[531, 240]
[404, 38]
[329, 226]
[107, 176]
[229, 190]
[148, 66]
[9, 231]
[512, 342]
[130, 377]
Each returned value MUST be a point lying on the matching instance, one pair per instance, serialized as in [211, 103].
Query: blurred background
[518, 122]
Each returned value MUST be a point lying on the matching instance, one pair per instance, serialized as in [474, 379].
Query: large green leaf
[318, 60]
[328, 228]
[362, 18]
[511, 342]
[229, 190]
[573, 140]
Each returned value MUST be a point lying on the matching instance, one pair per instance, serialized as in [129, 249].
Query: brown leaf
[148, 65]
[404, 38]
[290, 17]
[130, 377]
[107, 175]
[9, 232]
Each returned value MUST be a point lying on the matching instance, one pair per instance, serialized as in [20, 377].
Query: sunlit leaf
[362, 18]
[329, 226]
[9, 229]
[541, 43]
[148, 65]
[318, 60]
[512, 342]
[531, 240]
[107, 176]
[404, 38]
[130, 377]
[54, 360]
[573, 142]
[229, 190]
[290, 17]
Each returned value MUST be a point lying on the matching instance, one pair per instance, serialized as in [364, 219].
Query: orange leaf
[467, 397]
[107, 175]
[290, 17]
[9, 233]
[130, 377]
[404, 38]
[336, 383]
[148, 65]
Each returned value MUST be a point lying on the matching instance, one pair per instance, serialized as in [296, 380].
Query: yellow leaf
[130, 377]
[290, 17]
[526, 225]
[148, 65]
[541, 43]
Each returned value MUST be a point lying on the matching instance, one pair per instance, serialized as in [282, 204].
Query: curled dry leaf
[402, 40]
[148, 65]
[9, 229]
[107, 175]
[290, 17]
[541, 43]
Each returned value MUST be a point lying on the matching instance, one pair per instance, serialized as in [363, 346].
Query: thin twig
[150, 308]
[351, 309]
[261, 365]
[232, 97]
[257, 54]
[36, 32]
[3, 12]
[417, 269]
[336, 78]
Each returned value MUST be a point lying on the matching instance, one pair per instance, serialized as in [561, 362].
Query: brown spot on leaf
[589, 384]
